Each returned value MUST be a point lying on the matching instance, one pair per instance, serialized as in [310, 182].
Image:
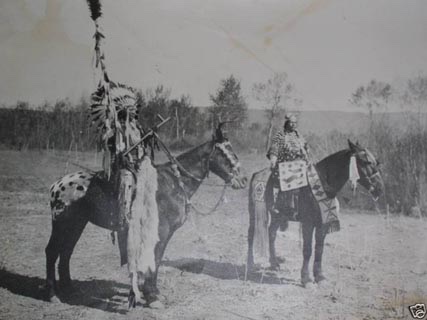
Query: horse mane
[332, 156]
[331, 171]
[193, 150]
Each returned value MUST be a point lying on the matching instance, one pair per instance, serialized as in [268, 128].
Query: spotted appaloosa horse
[334, 173]
[84, 197]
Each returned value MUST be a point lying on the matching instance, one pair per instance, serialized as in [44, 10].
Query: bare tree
[372, 97]
[184, 114]
[276, 95]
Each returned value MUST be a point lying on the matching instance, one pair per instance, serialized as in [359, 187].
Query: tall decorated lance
[110, 98]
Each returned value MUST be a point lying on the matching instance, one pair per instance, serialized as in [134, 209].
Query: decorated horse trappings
[96, 202]
[143, 204]
[317, 206]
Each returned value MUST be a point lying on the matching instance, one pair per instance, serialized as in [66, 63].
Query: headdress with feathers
[122, 98]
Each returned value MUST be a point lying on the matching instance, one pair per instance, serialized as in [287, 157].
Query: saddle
[283, 188]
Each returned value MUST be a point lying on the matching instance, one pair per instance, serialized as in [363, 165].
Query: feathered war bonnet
[120, 97]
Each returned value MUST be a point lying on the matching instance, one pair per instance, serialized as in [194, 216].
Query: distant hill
[346, 122]
[320, 121]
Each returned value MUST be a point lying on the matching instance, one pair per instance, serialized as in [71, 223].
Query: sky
[327, 47]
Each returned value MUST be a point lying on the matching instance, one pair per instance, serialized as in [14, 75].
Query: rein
[361, 191]
[219, 202]
[175, 160]
[188, 203]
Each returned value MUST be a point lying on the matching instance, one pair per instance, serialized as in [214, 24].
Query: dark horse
[99, 206]
[334, 173]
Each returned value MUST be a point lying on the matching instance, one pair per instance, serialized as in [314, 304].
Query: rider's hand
[273, 160]
[123, 160]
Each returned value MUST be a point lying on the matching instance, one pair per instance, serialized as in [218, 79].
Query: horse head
[224, 162]
[369, 170]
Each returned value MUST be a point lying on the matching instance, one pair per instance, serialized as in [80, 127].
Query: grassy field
[376, 267]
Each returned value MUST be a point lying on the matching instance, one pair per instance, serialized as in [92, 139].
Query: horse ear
[352, 146]
[219, 134]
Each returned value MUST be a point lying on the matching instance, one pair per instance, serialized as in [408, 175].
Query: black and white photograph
[213, 159]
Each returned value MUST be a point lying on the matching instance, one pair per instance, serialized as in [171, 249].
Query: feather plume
[95, 9]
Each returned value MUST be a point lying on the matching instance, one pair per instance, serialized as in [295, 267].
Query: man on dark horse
[287, 146]
[129, 170]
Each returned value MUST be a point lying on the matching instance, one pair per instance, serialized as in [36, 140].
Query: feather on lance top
[288, 146]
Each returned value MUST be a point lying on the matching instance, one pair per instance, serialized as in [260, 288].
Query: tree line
[400, 146]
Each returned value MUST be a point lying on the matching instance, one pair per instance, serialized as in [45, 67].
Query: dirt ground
[376, 266]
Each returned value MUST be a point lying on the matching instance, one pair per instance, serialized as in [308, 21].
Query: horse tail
[251, 229]
[143, 224]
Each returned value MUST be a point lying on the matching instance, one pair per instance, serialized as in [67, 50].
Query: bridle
[234, 168]
[370, 180]
[232, 159]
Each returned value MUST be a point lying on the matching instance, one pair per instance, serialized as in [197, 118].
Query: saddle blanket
[297, 174]
[292, 175]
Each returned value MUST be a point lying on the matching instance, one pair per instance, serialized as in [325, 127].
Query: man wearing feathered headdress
[115, 116]
[126, 164]
[114, 113]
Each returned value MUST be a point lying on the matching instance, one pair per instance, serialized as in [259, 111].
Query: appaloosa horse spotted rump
[84, 197]
[334, 173]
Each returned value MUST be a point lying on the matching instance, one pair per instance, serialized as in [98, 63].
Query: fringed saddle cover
[329, 208]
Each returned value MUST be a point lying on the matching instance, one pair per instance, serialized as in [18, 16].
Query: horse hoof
[54, 299]
[157, 305]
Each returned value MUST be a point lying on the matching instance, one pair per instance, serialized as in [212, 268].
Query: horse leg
[318, 252]
[307, 235]
[71, 236]
[52, 252]
[272, 232]
[251, 233]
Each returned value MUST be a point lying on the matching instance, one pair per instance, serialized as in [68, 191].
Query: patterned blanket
[295, 175]
[329, 208]
[292, 175]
